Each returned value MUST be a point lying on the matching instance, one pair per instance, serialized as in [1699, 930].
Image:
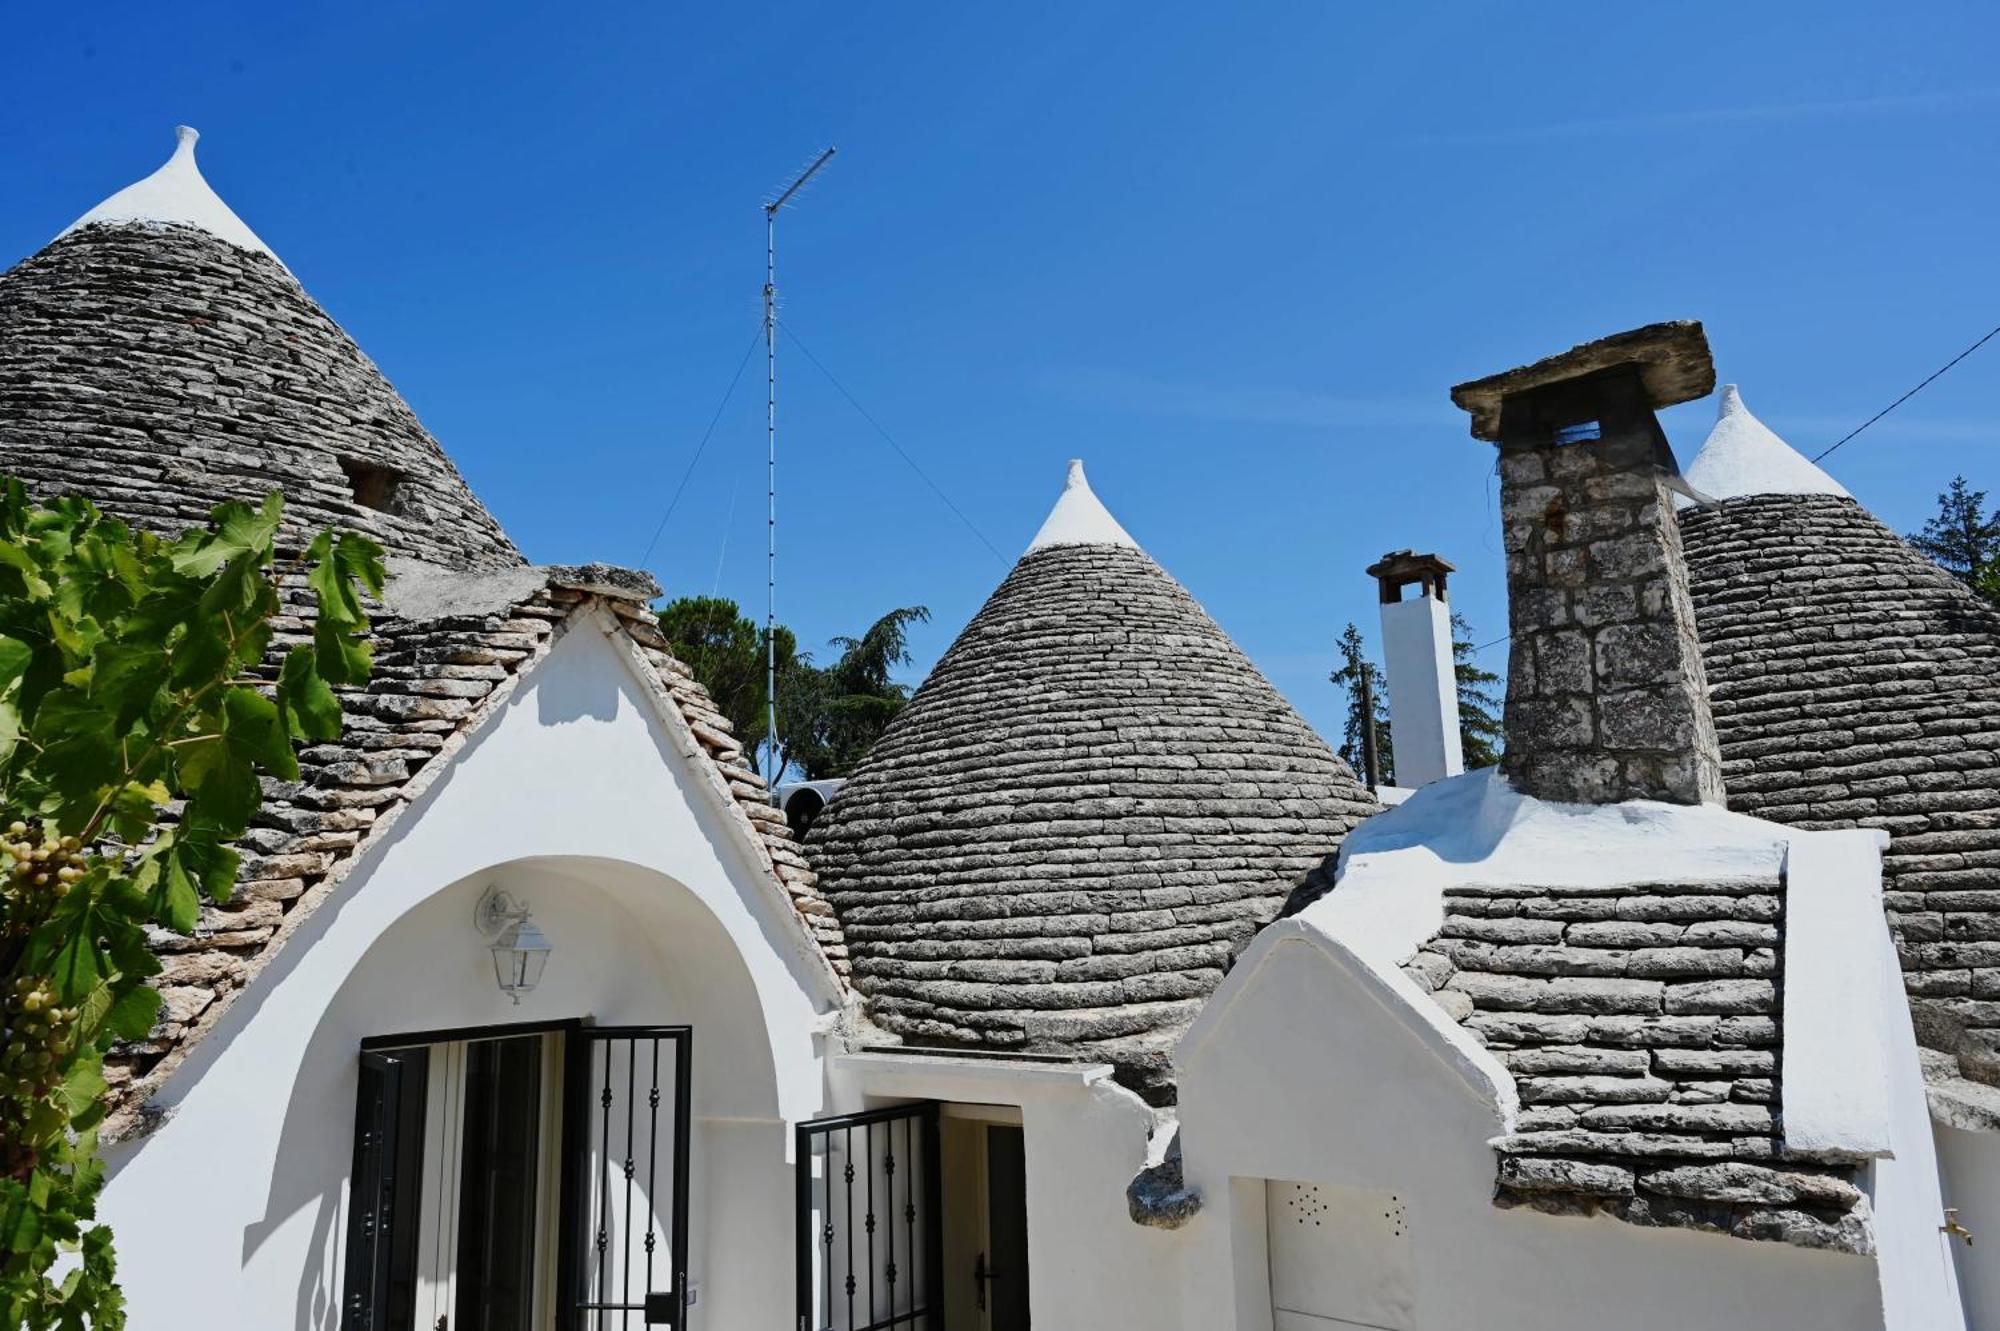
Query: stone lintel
[1672, 360]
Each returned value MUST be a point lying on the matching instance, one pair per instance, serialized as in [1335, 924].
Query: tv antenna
[771, 459]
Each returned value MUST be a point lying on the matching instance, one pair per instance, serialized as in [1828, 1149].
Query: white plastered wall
[577, 795]
[1089, 1263]
[1969, 1160]
[1313, 1065]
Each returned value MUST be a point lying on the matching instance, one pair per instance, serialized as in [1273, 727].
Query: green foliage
[1480, 733]
[1348, 676]
[829, 716]
[725, 650]
[133, 682]
[1964, 538]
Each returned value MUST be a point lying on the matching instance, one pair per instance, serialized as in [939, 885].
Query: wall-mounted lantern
[520, 949]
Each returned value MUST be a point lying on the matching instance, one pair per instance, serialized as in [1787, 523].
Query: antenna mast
[771, 459]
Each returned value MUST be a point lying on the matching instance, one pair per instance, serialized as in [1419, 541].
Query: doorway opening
[517, 1178]
[985, 1219]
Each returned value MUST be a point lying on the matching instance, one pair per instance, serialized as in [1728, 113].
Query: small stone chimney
[1416, 655]
[1606, 699]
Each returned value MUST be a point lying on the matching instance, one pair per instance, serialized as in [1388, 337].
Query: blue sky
[1233, 256]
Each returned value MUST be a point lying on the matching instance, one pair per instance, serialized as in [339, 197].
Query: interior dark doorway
[986, 1219]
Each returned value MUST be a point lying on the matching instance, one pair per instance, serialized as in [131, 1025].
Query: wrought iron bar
[847, 1177]
[868, 1222]
[625, 1229]
[652, 1161]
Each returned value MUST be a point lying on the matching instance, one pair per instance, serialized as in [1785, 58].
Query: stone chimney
[1416, 655]
[1606, 700]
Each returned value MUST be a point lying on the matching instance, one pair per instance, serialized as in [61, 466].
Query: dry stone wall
[1643, 1028]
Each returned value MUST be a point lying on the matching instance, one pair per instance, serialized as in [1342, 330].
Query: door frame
[569, 1302]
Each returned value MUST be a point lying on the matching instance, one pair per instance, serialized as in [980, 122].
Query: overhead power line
[1936, 374]
[891, 441]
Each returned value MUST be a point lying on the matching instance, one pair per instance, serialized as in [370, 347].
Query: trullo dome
[1084, 813]
[157, 358]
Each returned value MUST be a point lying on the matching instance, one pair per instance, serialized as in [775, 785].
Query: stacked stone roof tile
[1856, 684]
[162, 370]
[1643, 1028]
[1088, 808]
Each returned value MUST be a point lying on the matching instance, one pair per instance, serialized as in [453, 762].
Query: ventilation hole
[1578, 433]
[373, 485]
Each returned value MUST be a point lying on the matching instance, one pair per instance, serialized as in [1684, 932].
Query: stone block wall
[1643, 1027]
[1606, 700]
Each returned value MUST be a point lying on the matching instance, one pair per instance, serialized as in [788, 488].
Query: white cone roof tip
[1079, 518]
[175, 195]
[1742, 456]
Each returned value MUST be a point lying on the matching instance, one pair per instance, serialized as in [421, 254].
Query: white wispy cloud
[1244, 405]
[1718, 116]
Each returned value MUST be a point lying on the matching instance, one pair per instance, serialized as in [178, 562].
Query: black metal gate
[870, 1230]
[625, 1142]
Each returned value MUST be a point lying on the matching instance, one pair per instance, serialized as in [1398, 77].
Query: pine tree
[1479, 728]
[725, 650]
[1355, 667]
[829, 716]
[1964, 538]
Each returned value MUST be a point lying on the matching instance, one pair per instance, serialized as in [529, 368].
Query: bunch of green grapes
[36, 1032]
[39, 871]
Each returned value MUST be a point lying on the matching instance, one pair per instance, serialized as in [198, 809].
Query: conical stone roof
[157, 358]
[1082, 815]
[1856, 683]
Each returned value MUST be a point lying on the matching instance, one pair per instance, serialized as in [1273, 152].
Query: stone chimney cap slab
[1409, 564]
[1672, 357]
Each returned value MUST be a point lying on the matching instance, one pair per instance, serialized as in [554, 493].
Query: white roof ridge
[1079, 517]
[1743, 456]
[175, 195]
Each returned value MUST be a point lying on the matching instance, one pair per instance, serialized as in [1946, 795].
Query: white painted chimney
[1416, 656]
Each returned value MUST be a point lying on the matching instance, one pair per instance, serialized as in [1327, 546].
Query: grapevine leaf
[15, 657]
[82, 1092]
[196, 863]
[341, 569]
[310, 709]
[238, 530]
[126, 678]
[135, 808]
[220, 769]
[79, 753]
[254, 729]
[133, 1013]
[23, 564]
[20, 1218]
